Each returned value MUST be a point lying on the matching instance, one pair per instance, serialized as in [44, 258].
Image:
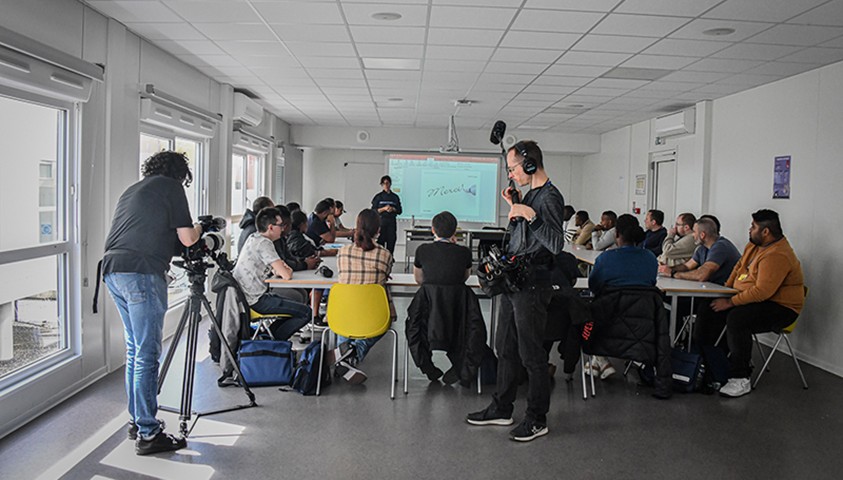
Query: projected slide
[466, 186]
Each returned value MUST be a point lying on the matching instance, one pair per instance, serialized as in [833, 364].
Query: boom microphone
[497, 132]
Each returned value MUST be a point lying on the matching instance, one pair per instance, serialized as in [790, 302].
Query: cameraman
[151, 223]
[536, 237]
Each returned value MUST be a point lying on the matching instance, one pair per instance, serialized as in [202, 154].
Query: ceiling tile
[638, 25]
[556, 21]
[695, 77]
[435, 64]
[135, 11]
[384, 50]
[601, 92]
[525, 55]
[458, 53]
[213, 11]
[212, 60]
[412, 35]
[806, 35]
[330, 62]
[836, 43]
[577, 70]
[318, 73]
[681, 8]
[815, 55]
[829, 14]
[235, 31]
[755, 51]
[456, 36]
[781, 68]
[471, 17]
[253, 48]
[590, 5]
[361, 14]
[540, 40]
[547, 79]
[618, 83]
[768, 11]
[302, 49]
[166, 31]
[593, 58]
[520, 67]
[196, 47]
[743, 30]
[613, 43]
[719, 89]
[307, 33]
[722, 65]
[307, 13]
[749, 80]
[659, 61]
[689, 48]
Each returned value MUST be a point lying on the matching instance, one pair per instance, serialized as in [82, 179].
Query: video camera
[499, 273]
[209, 244]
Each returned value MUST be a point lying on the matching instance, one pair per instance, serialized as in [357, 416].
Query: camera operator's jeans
[142, 302]
[283, 329]
[519, 342]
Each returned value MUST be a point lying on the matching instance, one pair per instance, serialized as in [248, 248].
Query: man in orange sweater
[770, 296]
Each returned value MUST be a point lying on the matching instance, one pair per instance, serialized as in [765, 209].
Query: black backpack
[307, 371]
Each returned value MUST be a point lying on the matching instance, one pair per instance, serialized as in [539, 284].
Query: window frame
[66, 246]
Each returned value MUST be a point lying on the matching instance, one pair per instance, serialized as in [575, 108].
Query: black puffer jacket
[447, 317]
[247, 227]
[299, 246]
[632, 323]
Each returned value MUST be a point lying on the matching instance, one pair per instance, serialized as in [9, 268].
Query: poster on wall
[640, 184]
[781, 177]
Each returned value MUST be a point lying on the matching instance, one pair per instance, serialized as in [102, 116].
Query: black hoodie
[247, 227]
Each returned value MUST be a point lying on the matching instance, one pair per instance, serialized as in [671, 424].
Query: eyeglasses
[512, 169]
[679, 224]
[280, 225]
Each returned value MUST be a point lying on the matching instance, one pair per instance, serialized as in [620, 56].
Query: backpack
[307, 371]
[688, 370]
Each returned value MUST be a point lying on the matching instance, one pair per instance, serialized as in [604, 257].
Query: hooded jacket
[247, 227]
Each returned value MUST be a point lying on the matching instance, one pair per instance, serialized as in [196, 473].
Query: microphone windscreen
[497, 132]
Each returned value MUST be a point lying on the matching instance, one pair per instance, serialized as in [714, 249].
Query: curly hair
[169, 164]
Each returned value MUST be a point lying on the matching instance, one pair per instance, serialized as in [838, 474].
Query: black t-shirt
[443, 263]
[315, 228]
[143, 235]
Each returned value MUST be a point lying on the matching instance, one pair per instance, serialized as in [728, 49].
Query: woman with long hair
[362, 262]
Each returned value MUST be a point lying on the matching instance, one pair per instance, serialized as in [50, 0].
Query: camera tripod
[190, 319]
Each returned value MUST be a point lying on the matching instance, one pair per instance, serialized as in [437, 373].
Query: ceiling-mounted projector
[453, 145]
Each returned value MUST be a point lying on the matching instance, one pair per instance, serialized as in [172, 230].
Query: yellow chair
[358, 312]
[264, 321]
[783, 333]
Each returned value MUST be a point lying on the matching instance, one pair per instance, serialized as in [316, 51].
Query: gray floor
[779, 431]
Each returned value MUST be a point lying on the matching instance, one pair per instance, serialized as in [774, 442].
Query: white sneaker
[737, 387]
[600, 366]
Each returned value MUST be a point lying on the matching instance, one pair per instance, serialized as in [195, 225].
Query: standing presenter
[388, 206]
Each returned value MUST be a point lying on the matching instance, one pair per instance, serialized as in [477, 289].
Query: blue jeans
[142, 302]
[285, 328]
[361, 345]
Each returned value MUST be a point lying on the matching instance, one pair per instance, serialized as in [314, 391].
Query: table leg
[674, 306]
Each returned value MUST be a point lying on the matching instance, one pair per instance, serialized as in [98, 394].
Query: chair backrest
[358, 311]
[789, 328]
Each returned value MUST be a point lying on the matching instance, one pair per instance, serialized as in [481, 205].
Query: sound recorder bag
[266, 362]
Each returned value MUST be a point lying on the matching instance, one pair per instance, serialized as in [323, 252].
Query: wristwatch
[532, 219]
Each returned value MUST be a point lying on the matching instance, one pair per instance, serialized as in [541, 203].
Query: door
[663, 183]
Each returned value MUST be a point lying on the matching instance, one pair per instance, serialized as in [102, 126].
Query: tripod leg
[165, 367]
[189, 363]
[226, 350]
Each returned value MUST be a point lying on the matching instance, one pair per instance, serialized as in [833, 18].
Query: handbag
[266, 362]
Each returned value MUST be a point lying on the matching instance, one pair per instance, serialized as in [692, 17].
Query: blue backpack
[307, 370]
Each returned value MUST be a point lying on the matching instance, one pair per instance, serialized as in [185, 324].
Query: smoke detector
[362, 136]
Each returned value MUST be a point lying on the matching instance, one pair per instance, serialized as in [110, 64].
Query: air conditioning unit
[678, 123]
[247, 110]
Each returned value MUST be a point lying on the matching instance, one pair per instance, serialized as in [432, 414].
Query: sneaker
[342, 352]
[737, 387]
[551, 370]
[601, 366]
[528, 430]
[451, 376]
[489, 416]
[352, 375]
[163, 442]
[132, 430]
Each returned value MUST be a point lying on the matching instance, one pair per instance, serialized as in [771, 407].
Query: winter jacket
[631, 323]
[447, 317]
[232, 318]
[299, 246]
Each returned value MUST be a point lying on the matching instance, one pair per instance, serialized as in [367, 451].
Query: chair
[264, 320]
[357, 312]
[783, 334]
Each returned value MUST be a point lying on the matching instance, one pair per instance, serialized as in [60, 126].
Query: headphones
[529, 165]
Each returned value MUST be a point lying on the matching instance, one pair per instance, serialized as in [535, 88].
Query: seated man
[442, 262]
[678, 247]
[247, 223]
[770, 296]
[625, 266]
[258, 261]
[294, 262]
[603, 236]
[318, 228]
[299, 244]
[584, 229]
[713, 260]
[655, 232]
[568, 225]
[341, 231]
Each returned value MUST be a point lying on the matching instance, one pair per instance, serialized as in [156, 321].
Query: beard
[755, 241]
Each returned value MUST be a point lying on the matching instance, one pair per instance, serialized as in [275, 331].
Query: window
[34, 211]
[153, 141]
[247, 179]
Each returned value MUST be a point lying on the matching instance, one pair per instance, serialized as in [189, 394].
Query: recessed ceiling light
[575, 105]
[386, 16]
[719, 32]
[395, 99]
